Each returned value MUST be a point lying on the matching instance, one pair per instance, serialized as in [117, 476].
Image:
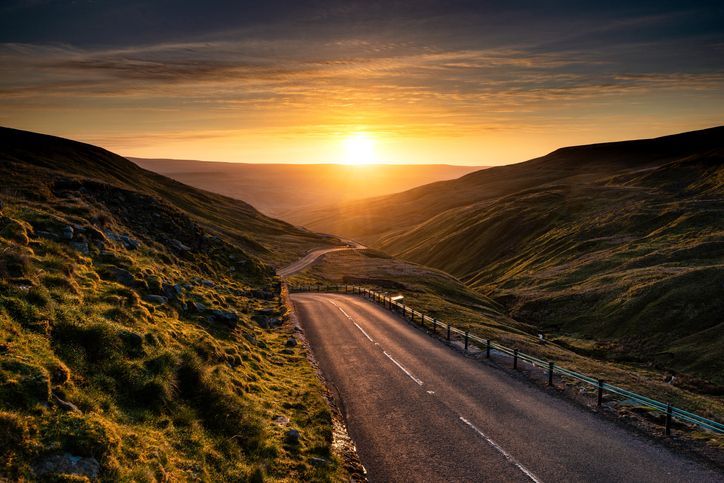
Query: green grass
[153, 392]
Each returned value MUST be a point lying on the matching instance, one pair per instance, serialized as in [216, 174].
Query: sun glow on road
[359, 150]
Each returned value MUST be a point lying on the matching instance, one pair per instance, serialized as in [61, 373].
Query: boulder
[67, 464]
[81, 247]
[66, 406]
[291, 342]
[122, 276]
[155, 299]
[129, 242]
[178, 246]
[292, 436]
[196, 307]
[227, 317]
[68, 232]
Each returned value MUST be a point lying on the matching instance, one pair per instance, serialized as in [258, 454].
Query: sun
[359, 149]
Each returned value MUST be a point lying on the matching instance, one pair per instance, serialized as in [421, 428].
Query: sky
[424, 81]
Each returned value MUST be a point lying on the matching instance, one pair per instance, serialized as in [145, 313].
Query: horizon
[359, 82]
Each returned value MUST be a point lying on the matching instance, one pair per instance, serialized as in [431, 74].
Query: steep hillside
[371, 219]
[143, 335]
[619, 246]
[271, 240]
[289, 191]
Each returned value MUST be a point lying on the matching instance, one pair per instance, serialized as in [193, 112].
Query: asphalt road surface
[311, 257]
[419, 411]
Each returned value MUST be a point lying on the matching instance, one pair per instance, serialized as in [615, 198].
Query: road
[312, 256]
[419, 411]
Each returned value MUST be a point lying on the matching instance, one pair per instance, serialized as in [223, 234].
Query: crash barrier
[449, 332]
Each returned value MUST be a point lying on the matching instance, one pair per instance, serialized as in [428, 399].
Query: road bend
[312, 257]
[419, 411]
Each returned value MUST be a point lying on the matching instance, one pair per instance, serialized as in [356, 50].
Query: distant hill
[619, 243]
[143, 335]
[289, 191]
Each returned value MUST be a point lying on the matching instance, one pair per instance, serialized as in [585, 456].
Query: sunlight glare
[359, 149]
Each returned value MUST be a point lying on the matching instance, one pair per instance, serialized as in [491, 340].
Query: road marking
[507, 455]
[419, 382]
[363, 331]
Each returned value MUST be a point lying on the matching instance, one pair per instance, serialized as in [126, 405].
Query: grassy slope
[619, 243]
[152, 391]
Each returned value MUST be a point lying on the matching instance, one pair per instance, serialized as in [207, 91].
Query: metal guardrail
[447, 331]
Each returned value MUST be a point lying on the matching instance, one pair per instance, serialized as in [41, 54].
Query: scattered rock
[46, 234]
[196, 307]
[281, 420]
[67, 464]
[288, 351]
[291, 342]
[292, 436]
[207, 283]
[156, 299]
[67, 406]
[252, 340]
[319, 462]
[266, 322]
[122, 276]
[68, 232]
[129, 242]
[178, 246]
[178, 288]
[227, 317]
[81, 247]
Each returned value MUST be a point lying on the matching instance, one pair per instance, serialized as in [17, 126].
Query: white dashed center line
[507, 455]
[419, 382]
[409, 374]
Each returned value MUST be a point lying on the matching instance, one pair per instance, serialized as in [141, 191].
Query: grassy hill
[143, 335]
[617, 248]
[289, 191]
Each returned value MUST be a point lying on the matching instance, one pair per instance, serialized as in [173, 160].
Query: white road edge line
[419, 382]
[507, 455]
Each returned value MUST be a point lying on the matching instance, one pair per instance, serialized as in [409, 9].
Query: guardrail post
[668, 419]
[466, 341]
[404, 311]
[599, 401]
[434, 326]
[515, 358]
[550, 373]
[448, 331]
[487, 349]
[422, 319]
[318, 288]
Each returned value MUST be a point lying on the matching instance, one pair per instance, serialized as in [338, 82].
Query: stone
[65, 405]
[288, 351]
[155, 299]
[292, 436]
[68, 232]
[122, 276]
[67, 464]
[227, 317]
[130, 243]
[281, 420]
[196, 307]
[81, 247]
[111, 235]
[178, 288]
[207, 283]
[291, 342]
[178, 246]
[319, 462]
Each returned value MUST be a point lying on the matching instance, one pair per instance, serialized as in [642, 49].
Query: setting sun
[359, 149]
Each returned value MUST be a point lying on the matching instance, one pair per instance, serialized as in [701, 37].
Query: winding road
[419, 411]
[312, 256]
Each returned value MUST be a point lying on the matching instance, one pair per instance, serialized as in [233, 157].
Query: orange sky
[441, 83]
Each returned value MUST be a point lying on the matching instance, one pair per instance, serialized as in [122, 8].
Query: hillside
[289, 191]
[143, 335]
[617, 248]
